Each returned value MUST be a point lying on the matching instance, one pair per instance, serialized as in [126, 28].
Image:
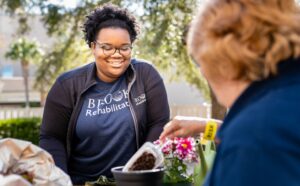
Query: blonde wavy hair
[245, 39]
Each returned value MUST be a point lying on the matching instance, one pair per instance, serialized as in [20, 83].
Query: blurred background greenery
[164, 26]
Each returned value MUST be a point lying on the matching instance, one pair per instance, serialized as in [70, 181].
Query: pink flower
[184, 148]
[167, 148]
[181, 148]
[180, 157]
[157, 142]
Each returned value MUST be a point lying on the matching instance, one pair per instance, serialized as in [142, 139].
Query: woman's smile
[116, 63]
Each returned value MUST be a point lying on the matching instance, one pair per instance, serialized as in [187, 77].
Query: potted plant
[180, 160]
[186, 160]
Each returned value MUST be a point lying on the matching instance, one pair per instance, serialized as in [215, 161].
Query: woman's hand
[183, 126]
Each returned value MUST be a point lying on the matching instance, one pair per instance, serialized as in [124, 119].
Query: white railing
[183, 110]
[7, 113]
[189, 110]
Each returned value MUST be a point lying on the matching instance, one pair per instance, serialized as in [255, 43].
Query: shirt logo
[140, 99]
[109, 103]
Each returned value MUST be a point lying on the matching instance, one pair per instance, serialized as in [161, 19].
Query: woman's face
[112, 52]
[212, 81]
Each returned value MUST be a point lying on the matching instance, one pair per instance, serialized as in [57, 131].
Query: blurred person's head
[110, 32]
[236, 42]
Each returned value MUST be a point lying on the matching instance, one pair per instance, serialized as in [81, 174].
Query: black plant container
[138, 178]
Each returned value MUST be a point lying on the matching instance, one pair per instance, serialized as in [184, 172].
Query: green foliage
[102, 180]
[175, 171]
[31, 104]
[64, 25]
[21, 9]
[69, 50]
[19, 6]
[24, 50]
[27, 52]
[164, 40]
[21, 128]
[60, 59]
[11, 5]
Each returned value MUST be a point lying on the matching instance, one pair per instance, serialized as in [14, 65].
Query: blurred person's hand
[183, 126]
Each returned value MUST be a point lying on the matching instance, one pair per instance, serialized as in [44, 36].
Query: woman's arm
[158, 111]
[54, 126]
[183, 126]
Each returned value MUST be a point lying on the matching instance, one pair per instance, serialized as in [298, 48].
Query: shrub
[21, 128]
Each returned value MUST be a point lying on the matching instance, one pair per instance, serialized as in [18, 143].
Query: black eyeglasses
[109, 50]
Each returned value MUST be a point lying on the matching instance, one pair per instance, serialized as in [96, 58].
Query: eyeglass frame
[115, 48]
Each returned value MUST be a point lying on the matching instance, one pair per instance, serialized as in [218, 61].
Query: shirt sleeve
[54, 126]
[158, 112]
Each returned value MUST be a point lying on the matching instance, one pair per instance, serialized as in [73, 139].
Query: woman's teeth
[115, 63]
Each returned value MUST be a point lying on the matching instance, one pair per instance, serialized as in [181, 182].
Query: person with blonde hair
[249, 52]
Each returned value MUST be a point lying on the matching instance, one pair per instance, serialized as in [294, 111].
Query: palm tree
[27, 52]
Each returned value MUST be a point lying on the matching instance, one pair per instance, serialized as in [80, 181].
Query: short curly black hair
[109, 16]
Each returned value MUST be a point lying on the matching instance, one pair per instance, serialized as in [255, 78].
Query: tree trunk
[217, 110]
[25, 71]
[43, 97]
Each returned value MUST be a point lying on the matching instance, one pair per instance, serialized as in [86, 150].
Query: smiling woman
[97, 116]
[111, 64]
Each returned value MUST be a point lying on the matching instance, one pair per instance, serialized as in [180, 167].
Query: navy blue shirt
[260, 136]
[105, 135]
